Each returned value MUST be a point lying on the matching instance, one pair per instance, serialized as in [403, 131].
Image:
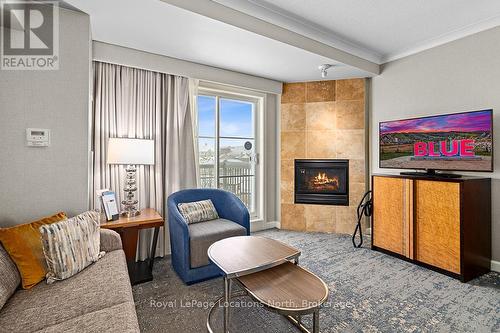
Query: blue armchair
[189, 243]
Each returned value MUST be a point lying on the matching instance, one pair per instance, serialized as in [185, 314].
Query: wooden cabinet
[437, 224]
[443, 224]
[390, 214]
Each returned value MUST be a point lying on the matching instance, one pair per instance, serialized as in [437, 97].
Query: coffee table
[267, 270]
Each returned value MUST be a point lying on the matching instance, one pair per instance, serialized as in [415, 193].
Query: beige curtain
[193, 93]
[135, 103]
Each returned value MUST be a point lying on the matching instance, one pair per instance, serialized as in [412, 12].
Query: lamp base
[130, 213]
[130, 203]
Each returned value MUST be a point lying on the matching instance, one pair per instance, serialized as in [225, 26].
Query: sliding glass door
[227, 128]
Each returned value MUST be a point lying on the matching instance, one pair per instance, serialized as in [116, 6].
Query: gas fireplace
[322, 182]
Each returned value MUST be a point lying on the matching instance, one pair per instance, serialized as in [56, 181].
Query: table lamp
[130, 152]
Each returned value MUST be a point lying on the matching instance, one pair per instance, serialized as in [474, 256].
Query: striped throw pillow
[71, 245]
[198, 211]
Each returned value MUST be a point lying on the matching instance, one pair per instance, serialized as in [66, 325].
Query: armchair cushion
[198, 211]
[202, 235]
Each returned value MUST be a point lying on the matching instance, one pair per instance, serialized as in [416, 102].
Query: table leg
[316, 321]
[153, 248]
[227, 299]
[140, 271]
[129, 240]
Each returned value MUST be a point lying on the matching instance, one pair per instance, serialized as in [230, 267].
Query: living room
[249, 165]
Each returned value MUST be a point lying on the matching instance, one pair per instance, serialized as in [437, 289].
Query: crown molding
[267, 20]
[448, 37]
[272, 14]
[221, 13]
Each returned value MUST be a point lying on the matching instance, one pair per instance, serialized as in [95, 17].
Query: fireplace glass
[322, 182]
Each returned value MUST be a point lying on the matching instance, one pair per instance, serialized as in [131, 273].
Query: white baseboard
[262, 225]
[495, 266]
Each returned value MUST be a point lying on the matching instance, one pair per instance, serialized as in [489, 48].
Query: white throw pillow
[198, 211]
[71, 245]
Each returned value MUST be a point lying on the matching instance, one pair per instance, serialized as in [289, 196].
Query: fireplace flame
[323, 179]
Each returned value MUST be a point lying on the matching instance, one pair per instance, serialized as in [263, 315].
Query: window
[227, 144]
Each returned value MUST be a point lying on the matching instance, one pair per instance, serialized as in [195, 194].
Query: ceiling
[171, 31]
[376, 31]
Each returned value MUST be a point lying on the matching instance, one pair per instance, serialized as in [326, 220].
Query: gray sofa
[98, 299]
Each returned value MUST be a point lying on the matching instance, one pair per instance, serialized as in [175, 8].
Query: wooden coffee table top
[242, 255]
[287, 288]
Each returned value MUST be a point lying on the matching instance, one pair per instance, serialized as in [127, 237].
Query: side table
[128, 228]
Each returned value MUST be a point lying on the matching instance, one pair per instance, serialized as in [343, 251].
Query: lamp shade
[131, 151]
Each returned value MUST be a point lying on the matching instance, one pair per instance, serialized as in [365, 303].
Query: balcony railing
[234, 176]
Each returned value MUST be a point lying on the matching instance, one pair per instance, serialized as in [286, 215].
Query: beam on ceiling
[250, 23]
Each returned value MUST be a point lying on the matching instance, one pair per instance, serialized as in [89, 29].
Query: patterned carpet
[369, 292]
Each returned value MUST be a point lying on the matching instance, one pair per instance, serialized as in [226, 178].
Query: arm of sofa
[110, 240]
[235, 210]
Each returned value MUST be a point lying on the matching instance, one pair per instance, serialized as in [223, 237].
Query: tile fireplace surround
[323, 120]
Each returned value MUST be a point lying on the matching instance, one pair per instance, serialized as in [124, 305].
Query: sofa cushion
[71, 245]
[24, 245]
[101, 286]
[9, 277]
[202, 235]
[117, 318]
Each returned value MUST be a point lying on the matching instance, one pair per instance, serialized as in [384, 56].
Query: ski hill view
[401, 144]
[398, 140]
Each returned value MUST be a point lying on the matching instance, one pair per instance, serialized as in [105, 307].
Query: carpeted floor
[369, 292]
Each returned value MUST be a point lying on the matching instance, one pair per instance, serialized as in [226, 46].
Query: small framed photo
[110, 206]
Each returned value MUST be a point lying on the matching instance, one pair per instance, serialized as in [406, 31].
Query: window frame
[258, 100]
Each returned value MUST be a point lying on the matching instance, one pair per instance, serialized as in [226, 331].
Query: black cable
[364, 208]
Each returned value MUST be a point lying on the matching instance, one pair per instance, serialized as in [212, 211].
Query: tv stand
[430, 173]
[443, 224]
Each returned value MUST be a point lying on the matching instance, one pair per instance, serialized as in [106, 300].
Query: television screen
[458, 141]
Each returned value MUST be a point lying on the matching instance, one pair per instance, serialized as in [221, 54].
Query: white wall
[36, 182]
[460, 76]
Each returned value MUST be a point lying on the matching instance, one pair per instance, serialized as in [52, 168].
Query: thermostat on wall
[37, 137]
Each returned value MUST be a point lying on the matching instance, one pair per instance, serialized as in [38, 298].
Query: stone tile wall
[324, 119]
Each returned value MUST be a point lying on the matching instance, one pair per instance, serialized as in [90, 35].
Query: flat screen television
[457, 141]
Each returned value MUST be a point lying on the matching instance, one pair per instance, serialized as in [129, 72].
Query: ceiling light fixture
[324, 69]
